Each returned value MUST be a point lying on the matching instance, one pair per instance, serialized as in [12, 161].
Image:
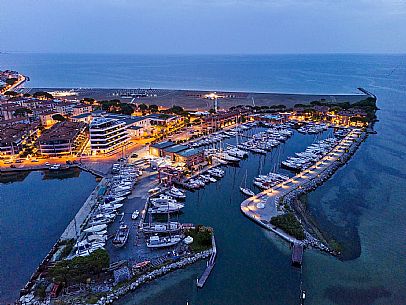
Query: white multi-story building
[107, 134]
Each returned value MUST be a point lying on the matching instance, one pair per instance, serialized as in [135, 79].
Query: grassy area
[201, 238]
[289, 224]
[335, 246]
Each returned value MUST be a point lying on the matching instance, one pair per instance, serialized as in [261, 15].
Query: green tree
[11, 81]
[43, 94]
[88, 100]
[176, 110]
[153, 108]
[11, 93]
[22, 111]
[58, 117]
[80, 268]
[289, 224]
[143, 107]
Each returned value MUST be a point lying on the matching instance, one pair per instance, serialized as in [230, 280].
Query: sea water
[362, 205]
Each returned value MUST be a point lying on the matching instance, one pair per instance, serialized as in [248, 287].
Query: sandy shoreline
[194, 99]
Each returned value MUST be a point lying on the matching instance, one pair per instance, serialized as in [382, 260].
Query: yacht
[135, 214]
[247, 191]
[166, 209]
[175, 192]
[96, 228]
[170, 227]
[121, 236]
[161, 242]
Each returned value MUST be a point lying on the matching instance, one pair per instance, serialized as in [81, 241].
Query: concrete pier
[265, 205]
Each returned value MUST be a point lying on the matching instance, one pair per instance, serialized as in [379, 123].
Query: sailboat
[245, 190]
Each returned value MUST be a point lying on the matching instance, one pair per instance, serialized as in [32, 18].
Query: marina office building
[177, 153]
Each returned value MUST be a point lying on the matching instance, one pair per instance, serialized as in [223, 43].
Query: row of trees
[79, 269]
[116, 106]
[289, 224]
[367, 105]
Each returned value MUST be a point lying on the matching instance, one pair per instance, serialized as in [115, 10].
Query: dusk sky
[203, 26]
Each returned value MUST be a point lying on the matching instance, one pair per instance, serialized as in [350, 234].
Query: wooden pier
[210, 264]
[297, 254]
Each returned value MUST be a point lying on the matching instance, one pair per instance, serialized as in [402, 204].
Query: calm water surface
[362, 206]
[34, 212]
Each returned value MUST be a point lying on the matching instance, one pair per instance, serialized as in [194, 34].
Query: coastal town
[148, 157]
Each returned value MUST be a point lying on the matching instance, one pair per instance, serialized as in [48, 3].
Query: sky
[203, 26]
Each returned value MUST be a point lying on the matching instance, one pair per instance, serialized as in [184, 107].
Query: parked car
[12, 166]
[34, 160]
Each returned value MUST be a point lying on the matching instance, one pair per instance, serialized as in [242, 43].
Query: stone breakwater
[312, 184]
[115, 294]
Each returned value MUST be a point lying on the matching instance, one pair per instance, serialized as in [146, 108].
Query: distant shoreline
[194, 100]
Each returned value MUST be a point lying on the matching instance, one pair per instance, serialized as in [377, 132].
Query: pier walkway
[263, 206]
[210, 264]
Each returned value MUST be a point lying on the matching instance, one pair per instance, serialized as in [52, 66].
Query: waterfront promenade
[265, 205]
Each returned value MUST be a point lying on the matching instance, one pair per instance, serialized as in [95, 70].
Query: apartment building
[107, 134]
[64, 138]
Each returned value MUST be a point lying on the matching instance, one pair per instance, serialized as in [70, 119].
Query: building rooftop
[128, 119]
[160, 116]
[82, 116]
[189, 152]
[176, 148]
[62, 131]
[13, 133]
[163, 145]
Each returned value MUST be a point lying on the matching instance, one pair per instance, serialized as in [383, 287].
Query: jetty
[297, 254]
[267, 204]
[210, 265]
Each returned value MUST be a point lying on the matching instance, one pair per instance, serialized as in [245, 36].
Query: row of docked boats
[311, 155]
[341, 133]
[265, 182]
[218, 136]
[265, 141]
[313, 128]
[94, 235]
[167, 203]
[212, 175]
[164, 234]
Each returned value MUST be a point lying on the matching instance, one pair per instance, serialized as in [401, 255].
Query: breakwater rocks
[312, 184]
[115, 295]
